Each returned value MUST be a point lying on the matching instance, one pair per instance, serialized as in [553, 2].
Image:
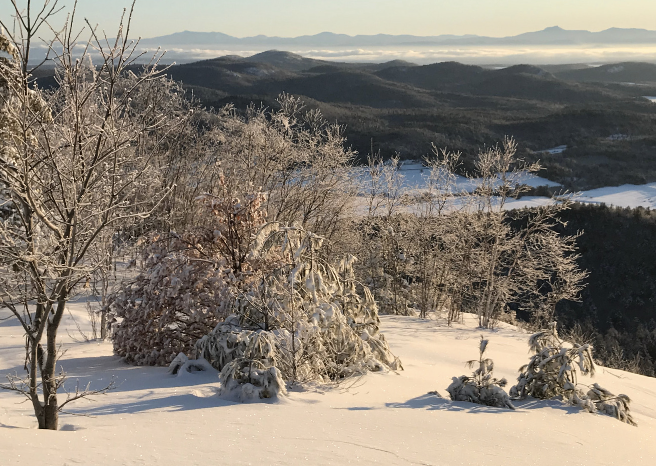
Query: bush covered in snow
[553, 369]
[607, 403]
[253, 375]
[317, 322]
[174, 301]
[187, 284]
[481, 388]
[553, 372]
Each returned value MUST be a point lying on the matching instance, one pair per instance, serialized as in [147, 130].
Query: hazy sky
[290, 18]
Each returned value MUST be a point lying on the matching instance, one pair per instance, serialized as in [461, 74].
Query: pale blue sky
[419, 17]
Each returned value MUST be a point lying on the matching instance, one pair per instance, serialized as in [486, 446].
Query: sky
[290, 18]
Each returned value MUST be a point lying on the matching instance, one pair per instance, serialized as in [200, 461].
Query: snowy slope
[157, 419]
[628, 195]
[414, 176]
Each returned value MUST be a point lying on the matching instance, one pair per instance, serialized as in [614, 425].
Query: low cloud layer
[469, 55]
[423, 55]
[491, 55]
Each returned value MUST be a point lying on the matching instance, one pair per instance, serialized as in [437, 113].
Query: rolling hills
[400, 107]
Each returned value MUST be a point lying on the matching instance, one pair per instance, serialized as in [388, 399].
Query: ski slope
[154, 418]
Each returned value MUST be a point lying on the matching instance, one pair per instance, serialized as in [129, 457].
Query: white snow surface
[154, 418]
[415, 175]
[628, 195]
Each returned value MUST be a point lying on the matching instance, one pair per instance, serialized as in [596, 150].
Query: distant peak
[277, 53]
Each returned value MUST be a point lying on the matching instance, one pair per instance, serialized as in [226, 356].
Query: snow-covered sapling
[553, 369]
[253, 376]
[481, 387]
[615, 406]
[553, 372]
[310, 321]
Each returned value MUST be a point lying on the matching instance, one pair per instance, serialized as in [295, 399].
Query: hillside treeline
[617, 312]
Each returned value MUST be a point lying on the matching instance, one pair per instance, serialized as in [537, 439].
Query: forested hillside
[607, 124]
[618, 308]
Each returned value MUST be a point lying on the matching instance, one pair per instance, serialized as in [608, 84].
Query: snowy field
[154, 418]
[628, 195]
[414, 176]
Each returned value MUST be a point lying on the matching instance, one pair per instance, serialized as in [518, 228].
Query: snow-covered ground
[628, 195]
[154, 418]
[414, 176]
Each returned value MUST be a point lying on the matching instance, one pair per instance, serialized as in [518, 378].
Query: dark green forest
[617, 312]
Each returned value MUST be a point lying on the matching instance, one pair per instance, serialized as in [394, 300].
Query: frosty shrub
[253, 375]
[174, 301]
[318, 326]
[227, 341]
[187, 284]
[553, 369]
[553, 372]
[607, 403]
[437, 248]
[291, 153]
[481, 387]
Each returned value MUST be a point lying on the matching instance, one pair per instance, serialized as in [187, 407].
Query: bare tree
[465, 251]
[292, 155]
[74, 162]
[382, 233]
[433, 242]
[518, 256]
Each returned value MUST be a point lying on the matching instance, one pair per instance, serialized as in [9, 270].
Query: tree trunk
[49, 414]
[49, 417]
[103, 324]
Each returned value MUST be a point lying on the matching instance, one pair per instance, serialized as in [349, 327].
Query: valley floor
[154, 418]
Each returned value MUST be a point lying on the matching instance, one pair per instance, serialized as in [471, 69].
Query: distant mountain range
[549, 36]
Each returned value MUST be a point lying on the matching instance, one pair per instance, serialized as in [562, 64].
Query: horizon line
[556, 27]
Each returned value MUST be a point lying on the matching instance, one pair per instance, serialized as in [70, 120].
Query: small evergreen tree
[615, 406]
[254, 375]
[481, 388]
[553, 372]
[553, 369]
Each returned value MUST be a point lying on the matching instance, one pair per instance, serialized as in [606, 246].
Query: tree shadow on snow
[99, 371]
[10, 321]
[432, 402]
[170, 403]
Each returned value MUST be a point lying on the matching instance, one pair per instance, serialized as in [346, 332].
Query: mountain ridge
[553, 35]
